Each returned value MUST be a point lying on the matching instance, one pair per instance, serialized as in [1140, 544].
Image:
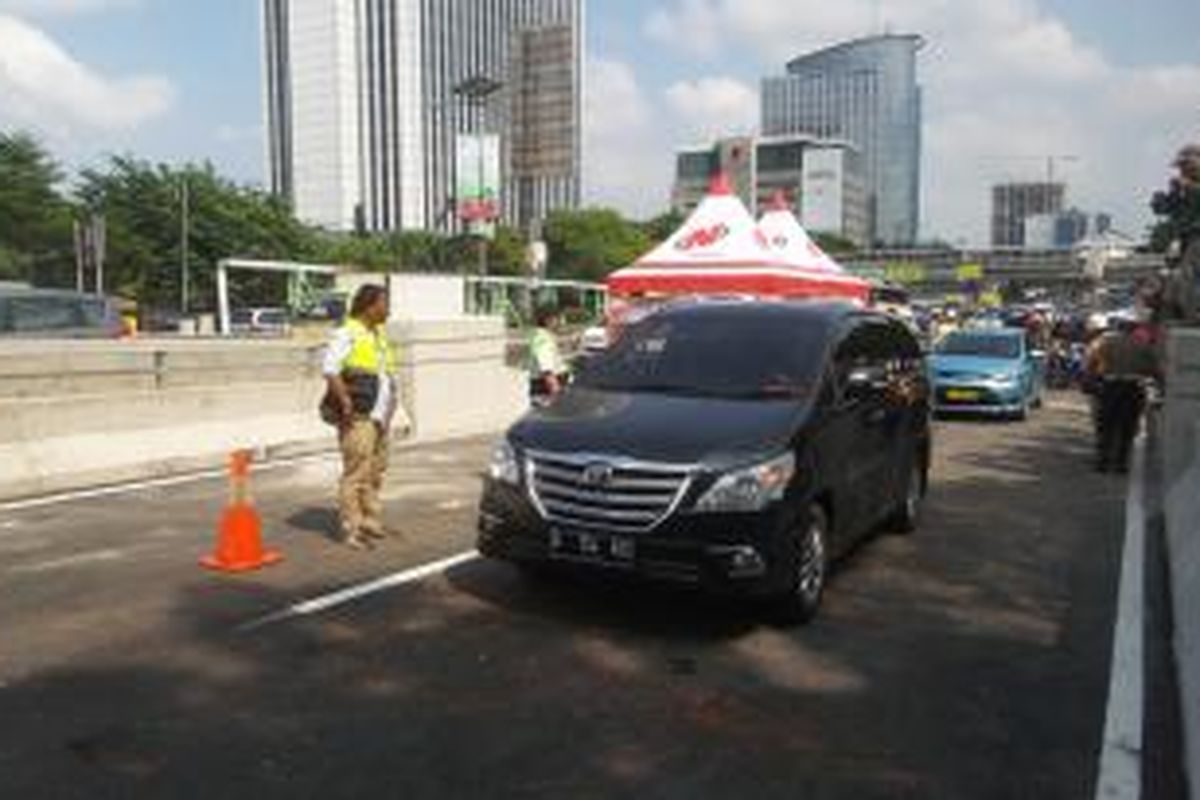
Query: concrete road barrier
[82, 414]
[1182, 485]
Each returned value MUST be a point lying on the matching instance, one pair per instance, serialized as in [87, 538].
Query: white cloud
[626, 149]
[714, 107]
[44, 88]
[631, 134]
[1006, 84]
[46, 8]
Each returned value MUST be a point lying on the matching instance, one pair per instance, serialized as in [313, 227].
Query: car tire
[907, 516]
[810, 568]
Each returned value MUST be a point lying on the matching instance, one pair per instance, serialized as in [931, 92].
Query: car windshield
[735, 355]
[982, 346]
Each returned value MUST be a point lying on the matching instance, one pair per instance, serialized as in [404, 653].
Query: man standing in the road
[360, 369]
[547, 369]
[1122, 364]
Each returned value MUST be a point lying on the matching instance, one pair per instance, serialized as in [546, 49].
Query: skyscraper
[1014, 203]
[865, 92]
[368, 103]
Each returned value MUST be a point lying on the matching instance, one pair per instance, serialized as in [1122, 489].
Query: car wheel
[810, 568]
[908, 514]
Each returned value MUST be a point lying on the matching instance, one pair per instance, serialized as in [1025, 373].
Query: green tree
[835, 245]
[36, 242]
[506, 253]
[142, 206]
[589, 244]
[660, 228]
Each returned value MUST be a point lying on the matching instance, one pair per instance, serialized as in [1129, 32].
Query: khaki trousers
[364, 446]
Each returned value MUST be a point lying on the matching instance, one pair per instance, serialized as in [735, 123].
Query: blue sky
[176, 79]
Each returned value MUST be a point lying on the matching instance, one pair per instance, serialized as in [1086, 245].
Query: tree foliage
[1178, 208]
[589, 244]
[142, 205]
[36, 240]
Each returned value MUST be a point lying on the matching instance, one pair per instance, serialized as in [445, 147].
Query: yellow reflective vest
[371, 351]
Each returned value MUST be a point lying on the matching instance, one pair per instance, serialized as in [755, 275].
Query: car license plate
[592, 547]
[962, 395]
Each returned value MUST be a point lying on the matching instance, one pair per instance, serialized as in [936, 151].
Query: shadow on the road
[967, 661]
[607, 603]
[321, 520]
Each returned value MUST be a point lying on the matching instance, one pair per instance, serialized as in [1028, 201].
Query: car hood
[662, 427]
[972, 366]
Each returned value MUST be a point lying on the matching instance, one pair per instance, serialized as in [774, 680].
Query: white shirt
[336, 354]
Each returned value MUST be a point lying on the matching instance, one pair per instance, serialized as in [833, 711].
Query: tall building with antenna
[865, 92]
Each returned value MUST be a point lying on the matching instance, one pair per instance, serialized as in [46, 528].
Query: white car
[260, 322]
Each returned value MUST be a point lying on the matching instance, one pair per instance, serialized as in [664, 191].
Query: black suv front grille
[605, 493]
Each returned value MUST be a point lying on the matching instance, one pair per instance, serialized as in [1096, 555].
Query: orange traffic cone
[239, 541]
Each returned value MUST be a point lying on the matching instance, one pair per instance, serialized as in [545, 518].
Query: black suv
[732, 445]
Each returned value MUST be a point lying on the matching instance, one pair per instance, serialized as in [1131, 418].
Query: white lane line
[81, 559]
[316, 605]
[1120, 775]
[155, 483]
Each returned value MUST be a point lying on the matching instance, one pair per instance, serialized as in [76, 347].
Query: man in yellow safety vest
[360, 369]
[547, 369]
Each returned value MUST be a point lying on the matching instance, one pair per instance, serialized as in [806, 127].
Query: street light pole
[184, 267]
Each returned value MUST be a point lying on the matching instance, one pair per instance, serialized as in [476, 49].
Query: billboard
[477, 186]
[822, 190]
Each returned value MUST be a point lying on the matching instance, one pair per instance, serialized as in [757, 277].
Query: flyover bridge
[946, 269]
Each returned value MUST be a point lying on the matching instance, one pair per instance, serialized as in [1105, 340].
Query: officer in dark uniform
[1122, 364]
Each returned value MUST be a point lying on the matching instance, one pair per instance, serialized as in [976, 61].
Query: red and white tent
[791, 243]
[720, 250]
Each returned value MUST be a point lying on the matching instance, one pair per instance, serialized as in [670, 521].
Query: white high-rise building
[366, 101]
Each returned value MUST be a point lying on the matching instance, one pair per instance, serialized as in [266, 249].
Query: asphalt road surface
[967, 661]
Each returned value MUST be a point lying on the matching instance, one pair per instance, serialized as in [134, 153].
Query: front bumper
[982, 399]
[722, 553]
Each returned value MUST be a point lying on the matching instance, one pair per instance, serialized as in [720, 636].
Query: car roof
[993, 333]
[828, 312]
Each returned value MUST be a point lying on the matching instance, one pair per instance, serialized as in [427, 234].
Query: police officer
[547, 369]
[360, 370]
[1121, 363]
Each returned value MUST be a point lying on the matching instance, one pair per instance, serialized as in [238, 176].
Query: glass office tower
[864, 92]
[366, 102]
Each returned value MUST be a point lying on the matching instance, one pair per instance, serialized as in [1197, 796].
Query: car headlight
[1004, 381]
[505, 466]
[752, 488]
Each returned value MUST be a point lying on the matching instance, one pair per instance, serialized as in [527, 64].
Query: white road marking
[81, 559]
[1120, 775]
[316, 605]
[155, 483]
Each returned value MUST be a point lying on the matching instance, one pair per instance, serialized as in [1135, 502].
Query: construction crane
[1051, 161]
